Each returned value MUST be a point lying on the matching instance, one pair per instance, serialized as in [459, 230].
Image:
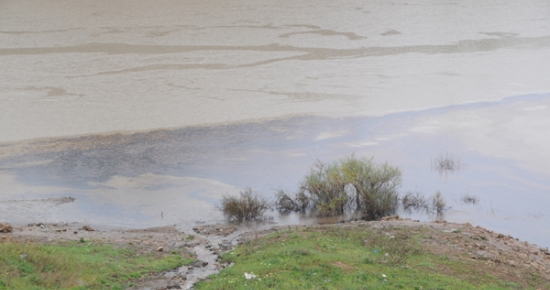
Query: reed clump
[446, 162]
[468, 198]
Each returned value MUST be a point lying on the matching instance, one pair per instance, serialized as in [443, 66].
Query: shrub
[286, 204]
[352, 184]
[245, 207]
[438, 203]
[415, 201]
[375, 186]
[324, 190]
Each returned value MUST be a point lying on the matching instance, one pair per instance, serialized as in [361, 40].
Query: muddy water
[148, 113]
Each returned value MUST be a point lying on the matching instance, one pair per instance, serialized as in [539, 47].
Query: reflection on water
[130, 179]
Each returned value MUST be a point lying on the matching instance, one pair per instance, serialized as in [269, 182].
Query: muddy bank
[502, 253]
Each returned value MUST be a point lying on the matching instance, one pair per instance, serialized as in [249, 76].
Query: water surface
[147, 113]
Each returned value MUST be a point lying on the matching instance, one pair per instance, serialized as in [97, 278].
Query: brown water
[147, 113]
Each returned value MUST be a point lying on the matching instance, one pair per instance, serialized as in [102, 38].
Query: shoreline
[177, 177]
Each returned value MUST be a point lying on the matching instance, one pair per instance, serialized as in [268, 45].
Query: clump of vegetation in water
[415, 201]
[468, 198]
[446, 162]
[439, 203]
[351, 184]
[247, 206]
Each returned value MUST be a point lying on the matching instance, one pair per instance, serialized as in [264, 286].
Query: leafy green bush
[245, 207]
[351, 184]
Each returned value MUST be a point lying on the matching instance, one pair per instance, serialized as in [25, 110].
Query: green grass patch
[349, 258]
[79, 265]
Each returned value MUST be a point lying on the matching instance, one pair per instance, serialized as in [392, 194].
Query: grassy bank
[362, 257]
[79, 265]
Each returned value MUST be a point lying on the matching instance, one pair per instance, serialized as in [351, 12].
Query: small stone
[173, 286]
[5, 228]
[483, 255]
[88, 228]
[75, 232]
[182, 270]
[390, 218]
[160, 249]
